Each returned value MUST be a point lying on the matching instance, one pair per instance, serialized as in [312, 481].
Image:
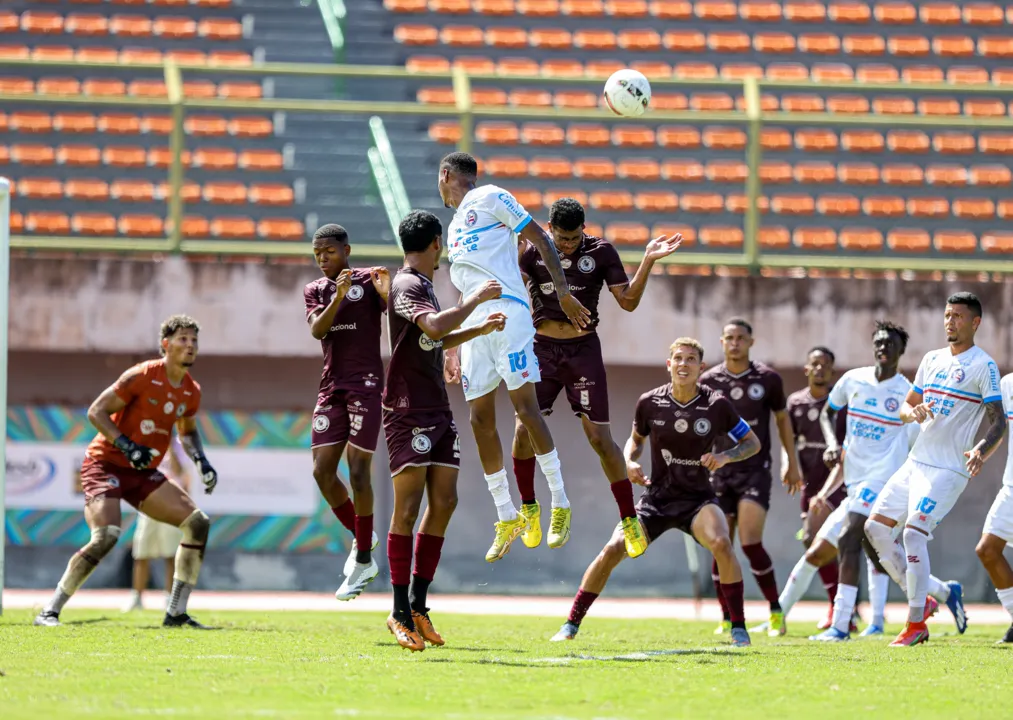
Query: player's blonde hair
[686, 342]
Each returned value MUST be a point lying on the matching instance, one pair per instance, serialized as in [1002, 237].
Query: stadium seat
[157, 124]
[908, 46]
[588, 135]
[953, 143]
[49, 223]
[848, 104]
[908, 240]
[996, 143]
[774, 237]
[147, 88]
[41, 23]
[271, 194]
[895, 13]
[877, 73]
[506, 37]
[671, 9]
[416, 34]
[940, 13]
[550, 168]
[229, 58]
[701, 202]
[804, 11]
[539, 133]
[86, 24]
[728, 42]
[508, 67]
[1004, 209]
[953, 46]
[956, 241]
[819, 43]
[793, 204]
[206, 125]
[602, 68]
[190, 192]
[893, 105]
[657, 201]
[582, 8]
[995, 47]
[74, 155]
[816, 140]
[281, 229]
[32, 154]
[119, 124]
[124, 156]
[225, 29]
[627, 233]
[75, 122]
[612, 200]
[991, 175]
[787, 71]
[30, 122]
[41, 188]
[741, 71]
[669, 101]
[683, 137]
[721, 236]
[530, 199]
[594, 169]
[775, 139]
[860, 238]
[738, 203]
[460, 36]
[759, 10]
[862, 141]
[141, 225]
[668, 229]
[834, 72]
[967, 75]
[802, 103]
[233, 227]
[195, 226]
[216, 158]
[96, 54]
[993, 241]
[132, 190]
[815, 173]
[16, 52]
[54, 53]
[928, 207]
[104, 87]
[554, 194]
[724, 138]
[946, 175]
[682, 171]
[974, 208]
[696, 71]
[509, 166]
[58, 86]
[864, 45]
[224, 193]
[180, 28]
[938, 106]
[643, 169]
[93, 223]
[488, 96]
[980, 13]
[17, 223]
[130, 26]
[775, 172]
[493, 7]
[883, 206]
[633, 136]
[139, 55]
[720, 10]
[726, 171]
[427, 63]
[848, 11]
[907, 141]
[550, 38]
[684, 41]
[9, 21]
[814, 238]
[711, 102]
[577, 99]
[903, 175]
[250, 126]
[838, 205]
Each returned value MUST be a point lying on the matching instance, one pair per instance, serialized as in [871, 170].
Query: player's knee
[987, 551]
[445, 502]
[359, 474]
[721, 547]
[103, 540]
[600, 440]
[324, 472]
[404, 518]
[613, 553]
[483, 421]
[196, 528]
[529, 415]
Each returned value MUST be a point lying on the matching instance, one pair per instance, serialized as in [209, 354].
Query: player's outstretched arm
[321, 321]
[981, 452]
[192, 445]
[628, 296]
[534, 234]
[494, 323]
[438, 325]
[828, 424]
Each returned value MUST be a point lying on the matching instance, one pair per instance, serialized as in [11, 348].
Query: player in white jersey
[953, 389]
[483, 245]
[998, 530]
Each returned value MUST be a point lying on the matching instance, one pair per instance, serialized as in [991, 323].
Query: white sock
[549, 463]
[1006, 598]
[844, 606]
[938, 589]
[891, 554]
[879, 588]
[798, 582]
[916, 544]
[500, 490]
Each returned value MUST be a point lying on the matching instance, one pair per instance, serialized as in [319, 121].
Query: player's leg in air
[996, 534]
[752, 517]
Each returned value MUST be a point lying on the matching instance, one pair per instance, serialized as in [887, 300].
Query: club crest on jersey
[736, 393]
[681, 425]
[147, 427]
[321, 423]
[813, 414]
[547, 288]
[180, 409]
[702, 426]
[168, 408]
[421, 444]
[756, 391]
[891, 404]
[566, 263]
[470, 218]
[958, 375]
[585, 264]
[355, 293]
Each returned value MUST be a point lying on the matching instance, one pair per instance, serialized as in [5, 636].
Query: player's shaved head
[331, 232]
[460, 163]
[566, 214]
[417, 231]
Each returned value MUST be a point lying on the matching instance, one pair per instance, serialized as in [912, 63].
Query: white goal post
[5, 271]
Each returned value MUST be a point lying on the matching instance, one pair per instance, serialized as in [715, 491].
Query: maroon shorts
[575, 365]
[658, 518]
[420, 439]
[749, 484]
[103, 479]
[348, 416]
[835, 499]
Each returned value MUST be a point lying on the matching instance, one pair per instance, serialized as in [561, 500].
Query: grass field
[297, 665]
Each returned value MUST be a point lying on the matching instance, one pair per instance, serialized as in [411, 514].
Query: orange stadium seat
[577, 99]
[667, 229]
[229, 58]
[75, 122]
[838, 205]
[602, 68]
[415, 34]
[79, 155]
[554, 194]
[130, 26]
[562, 69]
[509, 67]
[696, 71]
[656, 201]
[30, 122]
[225, 193]
[984, 107]
[671, 9]
[9, 21]
[17, 223]
[16, 52]
[814, 238]
[804, 11]
[991, 175]
[461, 36]
[908, 240]
[281, 229]
[903, 174]
[670, 101]
[132, 190]
[721, 236]
[235, 227]
[594, 39]
[640, 40]
[132, 55]
[493, 7]
[550, 38]
[157, 124]
[207, 89]
[981, 13]
[730, 41]
[774, 42]
[877, 74]
[250, 126]
[675, 170]
[953, 45]
[816, 140]
[32, 154]
[726, 171]
[1004, 209]
[701, 203]
[974, 208]
[627, 233]
[588, 135]
[220, 29]
[147, 88]
[679, 136]
[531, 199]
[940, 13]
[539, 133]
[866, 45]
[195, 226]
[995, 47]
[774, 237]
[41, 23]
[860, 238]
[848, 11]
[93, 223]
[55, 53]
[626, 8]
[775, 172]
[96, 54]
[206, 125]
[996, 143]
[437, 96]
[867, 141]
[104, 87]
[722, 10]
[712, 102]
[550, 168]
[190, 192]
[724, 138]
[174, 27]
[938, 106]
[793, 204]
[406, 6]
[741, 71]
[960, 241]
[739, 203]
[506, 37]
[141, 225]
[858, 173]
[775, 139]
[119, 124]
[953, 143]
[907, 141]
[967, 75]
[594, 169]
[427, 63]
[832, 72]
[802, 103]
[819, 43]
[815, 173]
[759, 10]
[928, 207]
[908, 45]
[895, 13]
[58, 86]
[993, 241]
[947, 175]
[41, 188]
[848, 104]
[511, 166]
[643, 169]
[160, 157]
[124, 156]
[489, 96]
[50, 223]
[271, 194]
[215, 158]
[893, 105]
[632, 136]
[86, 24]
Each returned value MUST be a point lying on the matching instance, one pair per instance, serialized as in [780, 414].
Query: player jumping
[421, 437]
[570, 358]
[134, 418]
[344, 309]
[683, 419]
[483, 245]
[953, 388]
[743, 490]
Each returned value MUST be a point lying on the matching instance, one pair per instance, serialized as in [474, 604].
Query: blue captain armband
[740, 430]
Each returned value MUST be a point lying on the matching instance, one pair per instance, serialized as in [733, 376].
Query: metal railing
[753, 117]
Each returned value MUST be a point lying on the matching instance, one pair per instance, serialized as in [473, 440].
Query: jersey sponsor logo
[813, 414]
[661, 402]
[993, 376]
[871, 402]
[168, 408]
[518, 360]
[428, 344]
[147, 427]
[421, 444]
[510, 204]
[958, 375]
[470, 218]
[342, 326]
[355, 293]
[681, 425]
[321, 423]
[659, 423]
[891, 404]
[756, 391]
[153, 401]
[547, 288]
[736, 393]
[670, 460]
[585, 264]
[702, 426]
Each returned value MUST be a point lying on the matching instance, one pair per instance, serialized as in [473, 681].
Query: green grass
[300, 665]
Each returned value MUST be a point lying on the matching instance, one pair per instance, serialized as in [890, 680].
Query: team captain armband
[740, 430]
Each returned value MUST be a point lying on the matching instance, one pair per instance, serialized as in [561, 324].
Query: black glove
[139, 456]
[208, 475]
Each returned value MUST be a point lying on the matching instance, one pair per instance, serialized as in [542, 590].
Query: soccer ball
[627, 93]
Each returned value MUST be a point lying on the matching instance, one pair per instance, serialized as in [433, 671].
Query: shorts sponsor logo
[470, 218]
[702, 426]
[355, 293]
[756, 391]
[180, 409]
[659, 423]
[585, 399]
[585, 264]
[428, 344]
[168, 408]
[518, 360]
[926, 506]
[681, 425]
[457, 443]
[547, 288]
[813, 414]
[343, 326]
[891, 404]
[321, 423]
[464, 383]
[736, 393]
[147, 427]
[421, 444]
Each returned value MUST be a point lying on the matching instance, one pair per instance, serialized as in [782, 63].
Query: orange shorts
[103, 479]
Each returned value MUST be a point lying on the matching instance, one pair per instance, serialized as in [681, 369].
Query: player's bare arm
[746, 448]
[792, 475]
[835, 480]
[632, 451]
[828, 424]
[321, 321]
[439, 325]
[189, 437]
[534, 234]
[628, 296]
[980, 453]
[100, 415]
[381, 281]
[494, 323]
[915, 409]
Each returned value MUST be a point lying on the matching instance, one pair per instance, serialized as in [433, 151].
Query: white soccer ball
[627, 93]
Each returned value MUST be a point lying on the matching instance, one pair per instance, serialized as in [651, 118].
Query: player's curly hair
[461, 163]
[822, 349]
[566, 214]
[687, 342]
[417, 230]
[331, 231]
[172, 325]
[890, 327]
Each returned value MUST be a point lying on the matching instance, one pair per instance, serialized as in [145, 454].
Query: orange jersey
[153, 407]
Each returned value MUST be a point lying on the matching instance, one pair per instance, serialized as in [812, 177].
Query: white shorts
[155, 540]
[833, 526]
[865, 496]
[506, 356]
[920, 494]
[999, 521]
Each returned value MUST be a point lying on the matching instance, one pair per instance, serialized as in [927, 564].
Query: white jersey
[1006, 387]
[876, 443]
[958, 386]
[482, 243]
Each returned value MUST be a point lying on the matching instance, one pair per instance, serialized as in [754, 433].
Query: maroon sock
[581, 604]
[399, 557]
[732, 593]
[345, 512]
[427, 555]
[763, 570]
[717, 590]
[363, 537]
[829, 575]
[622, 491]
[524, 471]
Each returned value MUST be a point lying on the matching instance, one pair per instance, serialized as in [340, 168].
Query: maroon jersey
[415, 372]
[804, 411]
[352, 345]
[680, 435]
[594, 263]
[755, 394]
